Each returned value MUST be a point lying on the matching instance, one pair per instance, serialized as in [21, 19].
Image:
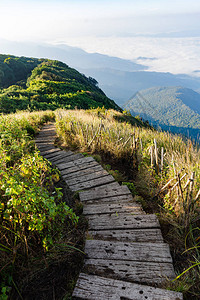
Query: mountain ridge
[172, 108]
[52, 84]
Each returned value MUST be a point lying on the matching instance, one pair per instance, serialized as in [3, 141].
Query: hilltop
[172, 108]
[40, 84]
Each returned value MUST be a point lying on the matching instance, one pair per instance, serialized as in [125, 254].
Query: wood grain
[111, 190]
[122, 221]
[134, 271]
[92, 183]
[85, 177]
[132, 235]
[93, 287]
[116, 207]
[146, 252]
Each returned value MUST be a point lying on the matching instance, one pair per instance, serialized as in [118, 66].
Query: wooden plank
[42, 145]
[63, 166]
[124, 235]
[45, 147]
[54, 150]
[58, 156]
[114, 250]
[67, 158]
[94, 168]
[86, 177]
[81, 167]
[133, 271]
[108, 200]
[43, 140]
[111, 190]
[93, 287]
[117, 207]
[47, 134]
[92, 183]
[122, 221]
[47, 130]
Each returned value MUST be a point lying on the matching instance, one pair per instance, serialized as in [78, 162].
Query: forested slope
[40, 84]
[173, 108]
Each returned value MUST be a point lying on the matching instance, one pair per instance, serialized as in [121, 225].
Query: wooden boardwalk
[126, 257]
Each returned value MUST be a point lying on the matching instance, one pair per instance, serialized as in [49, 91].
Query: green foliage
[14, 69]
[131, 187]
[31, 209]
[51, 85]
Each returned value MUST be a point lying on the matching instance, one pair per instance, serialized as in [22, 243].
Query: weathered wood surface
[47, 136]
[93, 287]
[78, 162]
[126, 243]
[47, 131]
[44, 140]
[44, 144]
[132, 235]
[86, 177]
[151, 252]
[53, 150]
[122, 221]
[67, 158]
[115, 199]
[45, 147]
[83, 167]
[111, 190]
[134, 271]
[68, 174]
[117, 207]
[56, 154]
[92, 183]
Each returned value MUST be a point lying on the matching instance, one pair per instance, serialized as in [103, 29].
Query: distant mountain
[119, 78]
[40, 84]
[121, 85]
[74, 56]
[172, 108]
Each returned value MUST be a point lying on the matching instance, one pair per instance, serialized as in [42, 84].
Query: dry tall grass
[176, 168]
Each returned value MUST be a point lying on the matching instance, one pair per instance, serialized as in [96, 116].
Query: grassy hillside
[45, 84]
[174, 108]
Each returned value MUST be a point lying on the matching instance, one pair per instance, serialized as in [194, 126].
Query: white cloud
[175, 55]
[109, 27]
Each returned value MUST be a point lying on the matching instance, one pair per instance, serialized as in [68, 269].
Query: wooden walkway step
[126, 257]
[132, 235]
[98, 288]
[122, 221]
[132, 271]
[115, 250]
[110, 208]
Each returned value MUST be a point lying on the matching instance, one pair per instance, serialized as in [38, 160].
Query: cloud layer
[175, 55]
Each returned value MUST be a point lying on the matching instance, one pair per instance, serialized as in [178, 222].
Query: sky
[166, 30]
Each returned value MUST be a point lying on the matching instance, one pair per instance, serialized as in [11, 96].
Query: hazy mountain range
[119, 78]
[175, 98]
